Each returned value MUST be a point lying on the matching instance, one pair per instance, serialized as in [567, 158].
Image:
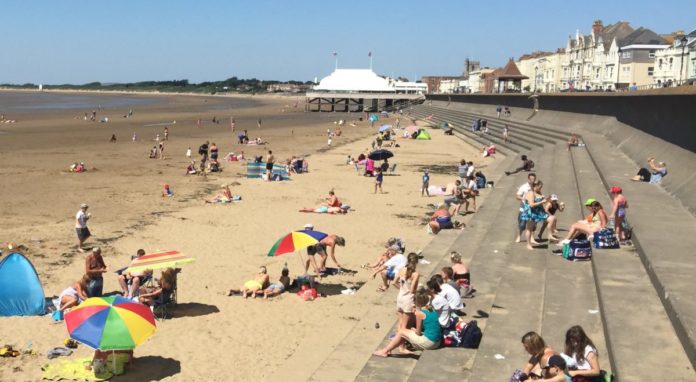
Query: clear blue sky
[122, 41]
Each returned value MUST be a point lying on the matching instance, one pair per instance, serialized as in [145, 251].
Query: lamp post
[683, 41]
[618, 71]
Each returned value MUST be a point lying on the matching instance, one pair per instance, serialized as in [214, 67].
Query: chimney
[597, 27]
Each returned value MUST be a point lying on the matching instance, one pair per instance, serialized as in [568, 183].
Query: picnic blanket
[256, 170]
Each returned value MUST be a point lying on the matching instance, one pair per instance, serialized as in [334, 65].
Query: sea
[23, 102]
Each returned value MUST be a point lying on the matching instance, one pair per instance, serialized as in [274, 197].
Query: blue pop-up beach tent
[21, 293]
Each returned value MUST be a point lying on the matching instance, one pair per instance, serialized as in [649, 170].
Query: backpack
[605, 239]
[471, 335]
[577, 250]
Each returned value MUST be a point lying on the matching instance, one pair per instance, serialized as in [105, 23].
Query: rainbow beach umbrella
[110, 323]
[295, 241]
[158, 260]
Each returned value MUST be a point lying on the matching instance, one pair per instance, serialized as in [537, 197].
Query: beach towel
[256, 170]
[73, 369]
[436, 190]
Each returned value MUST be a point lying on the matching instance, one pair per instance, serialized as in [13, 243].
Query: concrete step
[463, 127]
[504, 148]
[400, 368]
[571, 295]
[518, 305]
[527, 135]
[554, 131]
[641, 339]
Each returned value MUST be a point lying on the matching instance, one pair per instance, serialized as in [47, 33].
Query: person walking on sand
[166, 133]
[188, 153]
[135, 137]
[378, 180]
[269, 164]
[258, 123]
[506, 133]
[81, 226]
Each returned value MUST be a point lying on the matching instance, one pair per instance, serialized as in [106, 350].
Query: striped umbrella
[110, 323]
[158, 260]
[295, 241]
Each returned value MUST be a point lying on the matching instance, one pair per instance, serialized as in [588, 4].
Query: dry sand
[211, 336]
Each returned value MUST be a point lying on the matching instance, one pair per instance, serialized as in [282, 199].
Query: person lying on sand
[278, 287]
[249, 289]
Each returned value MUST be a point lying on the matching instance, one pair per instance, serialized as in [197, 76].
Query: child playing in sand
[188, 153]
[378, 180]
[167, 191]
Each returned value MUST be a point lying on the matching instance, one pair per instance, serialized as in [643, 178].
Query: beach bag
[471, 335]
[577, 250]
[605, 239]
[518, 376]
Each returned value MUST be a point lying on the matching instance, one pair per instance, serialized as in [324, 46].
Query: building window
[651, 70]
[651, 54]
[671, 61]
[659, 65]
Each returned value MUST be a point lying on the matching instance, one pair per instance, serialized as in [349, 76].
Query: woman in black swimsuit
[461, 274]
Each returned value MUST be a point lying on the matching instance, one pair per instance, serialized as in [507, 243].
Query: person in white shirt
[580, 354]
[470, 192]
[521, 192]
[454, 300]
[81, 226]
[440, 305]
[470, 169]
[390, 268]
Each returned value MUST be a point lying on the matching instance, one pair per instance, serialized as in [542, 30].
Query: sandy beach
[211, 336]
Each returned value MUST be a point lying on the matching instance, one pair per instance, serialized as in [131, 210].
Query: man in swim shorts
[269, 165]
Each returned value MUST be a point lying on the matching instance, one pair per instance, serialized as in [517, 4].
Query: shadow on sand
[150, 368]
[193, 309]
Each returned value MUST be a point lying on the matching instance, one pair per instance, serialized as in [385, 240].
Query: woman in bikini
[461, 274]
[618, 211]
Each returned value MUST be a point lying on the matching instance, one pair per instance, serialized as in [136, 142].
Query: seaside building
[637, 53]
[441, 84]
[692, 62]
[481, 81]
[508, 79]
[361, 90]
[590, 62]
[673, 64]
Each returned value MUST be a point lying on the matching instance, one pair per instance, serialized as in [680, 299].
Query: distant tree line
[232, 85]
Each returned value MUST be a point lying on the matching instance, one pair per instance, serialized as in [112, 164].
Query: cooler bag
[577, 250]
[605, 239]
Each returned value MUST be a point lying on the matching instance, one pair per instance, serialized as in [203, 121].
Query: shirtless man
[269, 165]
[329, 242]
[136, 278]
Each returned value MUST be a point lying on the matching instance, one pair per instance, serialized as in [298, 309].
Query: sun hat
[554, 197]
[589, 201]
[615, 190]
[309, 226]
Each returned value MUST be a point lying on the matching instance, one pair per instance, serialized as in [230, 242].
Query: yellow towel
[73, 370]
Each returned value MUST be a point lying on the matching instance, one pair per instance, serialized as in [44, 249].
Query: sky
[81, 41]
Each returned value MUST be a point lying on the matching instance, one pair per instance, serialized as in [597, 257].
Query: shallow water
[19, 102]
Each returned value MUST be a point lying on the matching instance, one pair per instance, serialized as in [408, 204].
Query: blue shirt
[379, 178]
[426, 178]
